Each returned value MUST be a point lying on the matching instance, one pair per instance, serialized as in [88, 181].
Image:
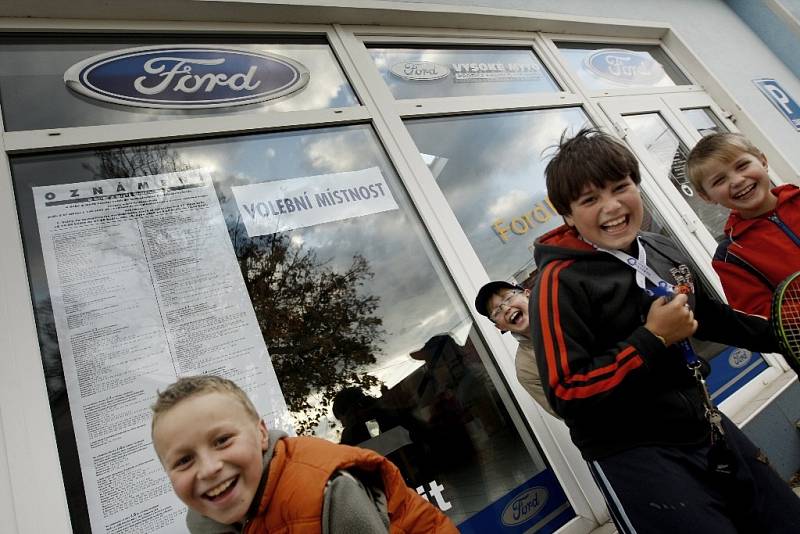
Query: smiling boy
[237, 477]
[762, 243]
[506, 306]
[664, 459]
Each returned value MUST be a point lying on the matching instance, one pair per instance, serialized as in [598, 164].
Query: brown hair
[590, 157]
[716, 148]
[189, 386]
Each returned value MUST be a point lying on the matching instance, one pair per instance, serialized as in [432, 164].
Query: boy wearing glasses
[506, 305]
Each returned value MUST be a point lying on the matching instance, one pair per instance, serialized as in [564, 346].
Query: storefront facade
[318, 233]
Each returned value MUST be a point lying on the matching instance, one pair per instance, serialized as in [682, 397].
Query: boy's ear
[568, 221]
[263, 435]
[763, 159]
[704, 196]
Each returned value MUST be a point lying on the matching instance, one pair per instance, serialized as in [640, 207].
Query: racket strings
[790, 316]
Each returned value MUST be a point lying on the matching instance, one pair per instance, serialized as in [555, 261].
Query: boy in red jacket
[236, 477]
[762, 246]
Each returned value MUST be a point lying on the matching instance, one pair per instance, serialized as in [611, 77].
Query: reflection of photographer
[394, 433]
[354, 409]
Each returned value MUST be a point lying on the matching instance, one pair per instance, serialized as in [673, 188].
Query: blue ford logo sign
[419, 70]
[624, 66]
[186, 77]
[524, 506]
[739, 358]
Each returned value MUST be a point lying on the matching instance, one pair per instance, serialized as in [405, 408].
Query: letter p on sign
[782, 101]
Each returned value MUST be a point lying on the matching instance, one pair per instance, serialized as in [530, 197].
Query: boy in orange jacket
[236, 477]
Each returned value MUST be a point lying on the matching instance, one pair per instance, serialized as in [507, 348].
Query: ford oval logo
[420, 70]
[524, 506]
[624, 66]
[739, 358]
[186, 77]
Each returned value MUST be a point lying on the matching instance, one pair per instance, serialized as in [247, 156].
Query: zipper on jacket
[786, 230]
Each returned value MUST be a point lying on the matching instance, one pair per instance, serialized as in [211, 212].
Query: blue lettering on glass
[192, 77]
[624, 66]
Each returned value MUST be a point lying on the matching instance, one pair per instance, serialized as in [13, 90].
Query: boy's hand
[672, 320]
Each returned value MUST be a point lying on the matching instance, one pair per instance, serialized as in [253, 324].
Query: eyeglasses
[504, 304]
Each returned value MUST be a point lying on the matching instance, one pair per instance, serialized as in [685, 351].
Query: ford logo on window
[524, 506]
[186, 77]
[739, 358]
[624, 66]
[419, 70]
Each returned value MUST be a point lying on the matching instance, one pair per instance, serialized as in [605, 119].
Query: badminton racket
[785, 319]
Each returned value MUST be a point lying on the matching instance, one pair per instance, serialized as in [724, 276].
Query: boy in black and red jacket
[608, 351]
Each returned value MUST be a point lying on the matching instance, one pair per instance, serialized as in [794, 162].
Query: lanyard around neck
[643, 271]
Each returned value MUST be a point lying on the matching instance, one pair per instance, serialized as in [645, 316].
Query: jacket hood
[562, 243]
[784, 193]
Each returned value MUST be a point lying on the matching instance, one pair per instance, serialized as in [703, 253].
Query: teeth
[615, 222]
[743, 193]
[514, 316]
[213, 492]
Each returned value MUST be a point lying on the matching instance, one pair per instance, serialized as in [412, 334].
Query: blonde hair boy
[761, 244]
[713, 150]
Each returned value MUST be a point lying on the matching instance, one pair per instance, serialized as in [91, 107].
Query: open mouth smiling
[514, 317]
[746, 191]
[221, 490]
[615, 225]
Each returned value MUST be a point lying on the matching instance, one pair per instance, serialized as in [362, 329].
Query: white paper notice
[283, 205]
[145, 287]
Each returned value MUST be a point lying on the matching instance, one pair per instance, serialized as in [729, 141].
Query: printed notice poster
[282, 205]
[145, 287]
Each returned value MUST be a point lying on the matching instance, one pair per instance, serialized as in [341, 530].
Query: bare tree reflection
[130, 161]
[321, 330]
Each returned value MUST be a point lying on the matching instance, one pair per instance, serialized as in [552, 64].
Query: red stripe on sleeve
[556, 349]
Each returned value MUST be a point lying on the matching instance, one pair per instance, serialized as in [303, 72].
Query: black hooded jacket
[613, 381]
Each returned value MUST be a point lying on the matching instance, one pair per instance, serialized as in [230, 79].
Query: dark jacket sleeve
[719, 322]
[573, 372]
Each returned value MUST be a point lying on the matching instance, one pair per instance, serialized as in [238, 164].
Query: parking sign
[780, 99]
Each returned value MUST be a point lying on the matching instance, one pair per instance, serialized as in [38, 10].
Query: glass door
[661, 131]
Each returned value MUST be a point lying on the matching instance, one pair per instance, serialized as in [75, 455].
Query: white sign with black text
[282, 205]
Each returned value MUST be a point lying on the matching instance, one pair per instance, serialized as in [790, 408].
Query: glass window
[670, 153]
[371, 344]
[732, 367]
[491, 169]
[601, 66]
[440, 72]
[704, 121]
[233, 74]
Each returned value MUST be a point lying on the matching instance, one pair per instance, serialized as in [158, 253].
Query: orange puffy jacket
[291, 502]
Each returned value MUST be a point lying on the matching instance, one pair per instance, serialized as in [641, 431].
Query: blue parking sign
[780, 99]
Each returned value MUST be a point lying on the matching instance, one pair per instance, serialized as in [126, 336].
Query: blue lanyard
[643, 271]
